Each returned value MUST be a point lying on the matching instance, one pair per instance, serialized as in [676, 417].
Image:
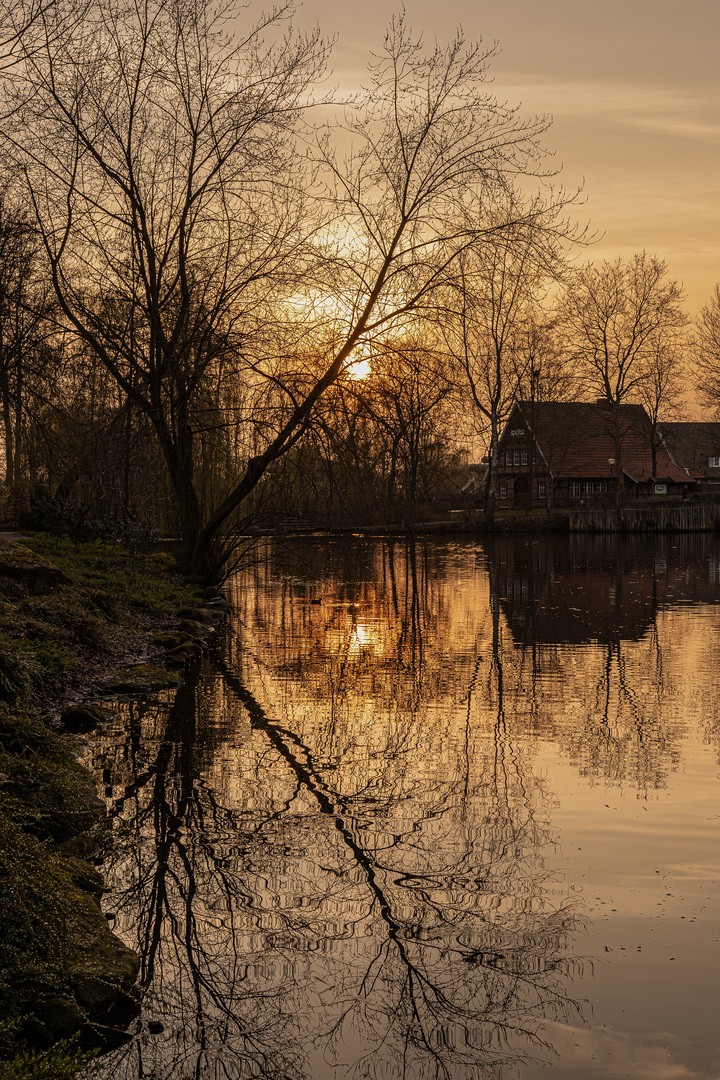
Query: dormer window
[714, 463]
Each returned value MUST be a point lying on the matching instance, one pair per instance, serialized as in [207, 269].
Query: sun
[359, 369]
[358, 363]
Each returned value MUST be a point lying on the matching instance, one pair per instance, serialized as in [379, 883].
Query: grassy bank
[69, 615]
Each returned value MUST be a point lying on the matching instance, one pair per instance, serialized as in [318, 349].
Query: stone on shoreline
[79, 719]
[140, 679]
[198, 615]
[37, 574]
[196, 629]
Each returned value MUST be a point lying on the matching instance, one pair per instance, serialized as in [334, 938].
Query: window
[541, 489]
[588, 487]
[502, 492]
[508, 457]
[523, 457]
[516, 457]
[714, 463]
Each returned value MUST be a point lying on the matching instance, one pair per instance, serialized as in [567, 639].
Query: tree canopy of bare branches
[707, 351]
[157, 152]
[491, 319]
[182, 226]
[621, 321]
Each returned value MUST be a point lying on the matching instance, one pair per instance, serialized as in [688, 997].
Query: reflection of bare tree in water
[630, 734]
[450, 977]
[176, 885]
[301, 919]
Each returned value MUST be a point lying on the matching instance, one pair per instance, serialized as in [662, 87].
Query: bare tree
[707, 351]
[28, 352]
[161, 162]
[615, 317]
[17, 322]
[404, 395]
[487, 326]
[20, 21]
[661, 392]
[382, 444]
[434, 155]
[156, 153]
[545, 371]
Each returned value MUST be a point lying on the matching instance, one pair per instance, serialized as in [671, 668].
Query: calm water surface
[433, 809]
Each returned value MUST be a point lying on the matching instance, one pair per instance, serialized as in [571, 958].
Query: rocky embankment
[80, 628]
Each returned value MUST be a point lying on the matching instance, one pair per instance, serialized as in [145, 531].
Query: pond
[431, 808]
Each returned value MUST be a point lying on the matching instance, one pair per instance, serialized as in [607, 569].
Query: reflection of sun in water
[362, 637]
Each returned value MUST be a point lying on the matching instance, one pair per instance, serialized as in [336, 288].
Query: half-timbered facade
[559, 453]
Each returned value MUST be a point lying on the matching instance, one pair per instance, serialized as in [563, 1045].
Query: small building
[559, 453]
[695, 446]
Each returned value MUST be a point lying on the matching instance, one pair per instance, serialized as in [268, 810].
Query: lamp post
[611, 462]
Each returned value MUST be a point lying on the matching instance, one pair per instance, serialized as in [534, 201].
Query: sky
[633, 87]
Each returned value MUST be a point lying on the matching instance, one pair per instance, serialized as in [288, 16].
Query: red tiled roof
[692, 443]
[576, 440]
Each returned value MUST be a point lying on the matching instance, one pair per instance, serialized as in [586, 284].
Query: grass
[45, 793]
[46, 800]
[42, 638]
[59, 1062]
[35, 949]
[100, 571]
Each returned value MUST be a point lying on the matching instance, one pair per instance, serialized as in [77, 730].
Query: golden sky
[633, 89]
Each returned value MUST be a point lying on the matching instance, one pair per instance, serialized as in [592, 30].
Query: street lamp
[611, 462]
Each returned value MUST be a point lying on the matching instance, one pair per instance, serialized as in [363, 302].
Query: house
[563, 452]
[695, 446]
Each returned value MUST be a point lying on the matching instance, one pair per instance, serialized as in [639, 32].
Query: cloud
[652, 108]
[604, 1052]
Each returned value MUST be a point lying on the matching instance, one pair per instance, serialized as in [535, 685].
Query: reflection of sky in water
[434, 811]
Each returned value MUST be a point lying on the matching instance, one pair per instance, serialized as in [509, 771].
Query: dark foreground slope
[78, 625]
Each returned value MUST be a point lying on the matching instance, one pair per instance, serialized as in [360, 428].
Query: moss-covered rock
[199, 615]
[196, 629]
[61, 1017]
[20, 563]
[140, 679]
[79, 719]
[169, 639]
[102, 968]
[184, 654]
[83, 875]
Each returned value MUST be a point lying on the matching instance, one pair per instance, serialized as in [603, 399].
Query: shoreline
[81, 627]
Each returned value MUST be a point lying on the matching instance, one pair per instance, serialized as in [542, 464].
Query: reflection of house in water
[578, 589]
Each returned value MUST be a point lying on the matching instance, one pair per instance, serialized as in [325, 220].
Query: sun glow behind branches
[328, 319]
[358, 365]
